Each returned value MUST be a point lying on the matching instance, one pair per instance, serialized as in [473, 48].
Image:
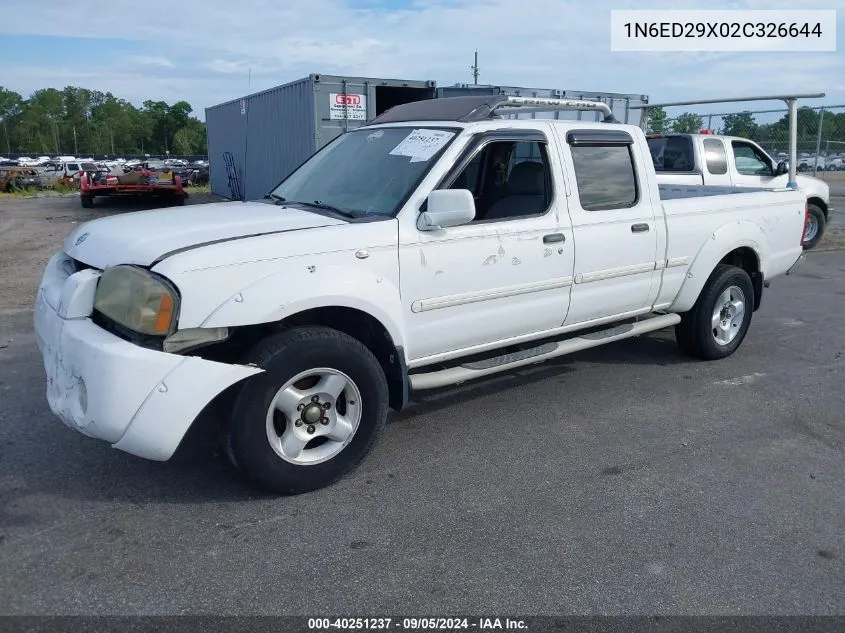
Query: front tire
[815, 227]
[314, 413]
[718, 321]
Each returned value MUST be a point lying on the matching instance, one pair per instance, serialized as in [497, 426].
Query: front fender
[296, 288]
[727, 238]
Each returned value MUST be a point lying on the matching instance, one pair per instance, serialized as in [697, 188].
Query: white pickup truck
[437, 244]
[709, 159]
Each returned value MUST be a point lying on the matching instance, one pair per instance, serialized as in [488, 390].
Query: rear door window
[606, 177]
[715, 157]
[672, 153]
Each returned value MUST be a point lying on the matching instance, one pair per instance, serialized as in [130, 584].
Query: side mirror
[782, 168]
[447, 207]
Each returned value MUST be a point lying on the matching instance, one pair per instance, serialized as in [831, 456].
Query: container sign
[420, 145]
[243, 106]
[351, 106]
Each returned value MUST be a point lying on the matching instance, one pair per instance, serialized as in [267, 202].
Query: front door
[752, 168]
[613, 223]
[505, 274]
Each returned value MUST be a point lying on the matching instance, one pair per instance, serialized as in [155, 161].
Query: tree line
[85, 122]
[743, 124]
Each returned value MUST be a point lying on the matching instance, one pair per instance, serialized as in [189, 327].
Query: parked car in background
[183, 172]
[809, 163]
[435, 245]
[69, 172]
[709, 159]
[198, 174]
[13, 178]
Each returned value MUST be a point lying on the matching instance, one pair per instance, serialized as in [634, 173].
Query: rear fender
[727, 238]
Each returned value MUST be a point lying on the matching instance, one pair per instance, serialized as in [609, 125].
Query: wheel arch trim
[724, 241]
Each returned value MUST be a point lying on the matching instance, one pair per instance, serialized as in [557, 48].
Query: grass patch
[198, 189]
[29, 192]
[60, 188]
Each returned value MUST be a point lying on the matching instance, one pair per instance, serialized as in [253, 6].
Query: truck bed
[774, 218]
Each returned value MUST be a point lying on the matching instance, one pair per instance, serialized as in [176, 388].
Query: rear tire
[87, 201]
[718, 321]
[816, 227]
[314, 413]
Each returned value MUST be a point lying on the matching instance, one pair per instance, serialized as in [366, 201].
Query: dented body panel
[139, 400]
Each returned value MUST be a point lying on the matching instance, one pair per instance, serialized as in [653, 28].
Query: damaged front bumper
[139, 400]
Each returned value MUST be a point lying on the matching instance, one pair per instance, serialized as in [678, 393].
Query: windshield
[367, 171]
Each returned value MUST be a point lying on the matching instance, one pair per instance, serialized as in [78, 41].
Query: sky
[202, 51]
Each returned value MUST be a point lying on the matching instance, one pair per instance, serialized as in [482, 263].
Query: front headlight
[137, 299]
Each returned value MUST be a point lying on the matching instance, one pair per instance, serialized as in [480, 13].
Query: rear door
[673, 157]
[614, 224]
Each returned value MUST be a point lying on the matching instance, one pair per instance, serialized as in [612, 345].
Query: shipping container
[256, 141]
[618, 102]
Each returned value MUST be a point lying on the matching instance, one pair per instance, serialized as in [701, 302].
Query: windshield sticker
[420, 145]
[375, 135]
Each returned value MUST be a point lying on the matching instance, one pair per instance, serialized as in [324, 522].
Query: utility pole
[8, 145]
[75, 146]
[818, 141]
[474, 68]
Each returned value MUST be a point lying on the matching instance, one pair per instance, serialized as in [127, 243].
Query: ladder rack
[473, 108]
[541, 104]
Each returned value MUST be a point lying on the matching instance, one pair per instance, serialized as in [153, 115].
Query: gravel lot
[626, 479]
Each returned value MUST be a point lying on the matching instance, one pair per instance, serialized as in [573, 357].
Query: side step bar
[546, 351]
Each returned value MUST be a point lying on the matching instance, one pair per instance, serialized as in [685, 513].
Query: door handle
[639, 228]
[551, 238]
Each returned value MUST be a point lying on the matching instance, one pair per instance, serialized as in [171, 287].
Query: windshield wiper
[327, 207]
[275, 198]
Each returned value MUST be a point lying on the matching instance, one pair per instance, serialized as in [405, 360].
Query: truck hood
[144, 237]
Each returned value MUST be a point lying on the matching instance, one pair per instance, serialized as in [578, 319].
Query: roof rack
[469, 109]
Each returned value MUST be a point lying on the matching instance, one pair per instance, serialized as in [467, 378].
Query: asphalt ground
[627, 479]
[837, 201]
